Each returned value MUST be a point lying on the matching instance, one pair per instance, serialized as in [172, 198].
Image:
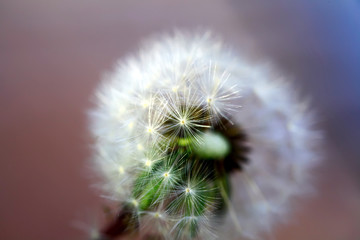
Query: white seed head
[176, 88]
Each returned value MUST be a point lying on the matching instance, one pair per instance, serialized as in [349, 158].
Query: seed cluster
[180, 155]
[179, 183]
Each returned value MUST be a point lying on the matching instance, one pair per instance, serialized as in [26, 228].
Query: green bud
[213, 146]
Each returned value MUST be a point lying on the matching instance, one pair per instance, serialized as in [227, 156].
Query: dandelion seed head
[184, 104]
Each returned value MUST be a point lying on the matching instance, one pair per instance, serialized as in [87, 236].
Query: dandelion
[194, 142]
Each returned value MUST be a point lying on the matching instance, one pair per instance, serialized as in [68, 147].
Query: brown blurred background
[53, 53]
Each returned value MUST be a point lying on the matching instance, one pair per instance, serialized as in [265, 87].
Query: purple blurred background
[53, 53]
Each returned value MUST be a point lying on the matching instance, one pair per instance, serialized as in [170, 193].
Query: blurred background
[52, 56]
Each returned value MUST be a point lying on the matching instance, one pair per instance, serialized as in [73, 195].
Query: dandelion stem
[123, 224]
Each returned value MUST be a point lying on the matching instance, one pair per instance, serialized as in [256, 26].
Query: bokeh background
[52, 56]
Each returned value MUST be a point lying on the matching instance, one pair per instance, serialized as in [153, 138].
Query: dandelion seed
[150, 130]
[174, 89]
[140, 147]
[148, 163]
[145, 103]
[182, 121]
[121, 170]
[135, 203]
[131, 125]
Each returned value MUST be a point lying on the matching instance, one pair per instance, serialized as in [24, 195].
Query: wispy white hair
[171, 71]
